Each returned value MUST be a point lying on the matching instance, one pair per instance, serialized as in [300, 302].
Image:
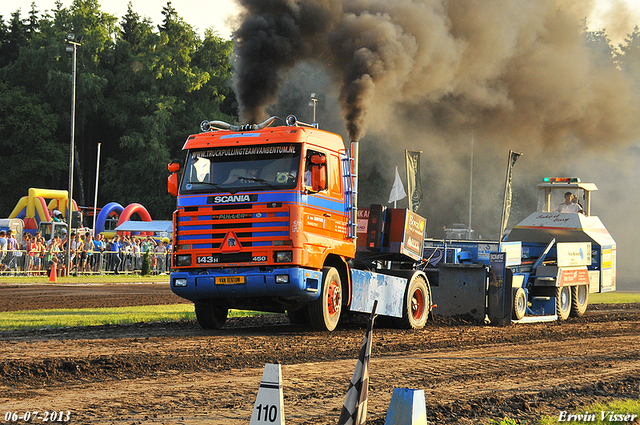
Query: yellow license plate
[230, 280]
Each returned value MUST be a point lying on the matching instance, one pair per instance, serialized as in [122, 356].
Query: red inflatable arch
[132, 209]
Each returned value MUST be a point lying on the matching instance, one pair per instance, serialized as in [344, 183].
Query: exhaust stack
[354, 174]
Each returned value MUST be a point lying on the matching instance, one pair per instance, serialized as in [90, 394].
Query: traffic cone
[53, 277]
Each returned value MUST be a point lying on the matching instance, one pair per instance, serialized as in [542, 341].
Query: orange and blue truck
[267, 220]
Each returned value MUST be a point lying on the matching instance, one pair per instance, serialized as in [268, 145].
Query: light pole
[72, 46]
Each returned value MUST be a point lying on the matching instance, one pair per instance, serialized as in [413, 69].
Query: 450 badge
[210, 259]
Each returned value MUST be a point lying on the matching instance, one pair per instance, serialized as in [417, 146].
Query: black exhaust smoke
[520, 70]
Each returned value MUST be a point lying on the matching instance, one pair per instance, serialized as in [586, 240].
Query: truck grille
[255, 225]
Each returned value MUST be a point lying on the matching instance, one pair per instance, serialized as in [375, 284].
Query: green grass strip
[613, 412]
[64, 318]
[36, 319]
[614, 298]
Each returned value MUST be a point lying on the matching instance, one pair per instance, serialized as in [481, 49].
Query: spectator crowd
[122, 254]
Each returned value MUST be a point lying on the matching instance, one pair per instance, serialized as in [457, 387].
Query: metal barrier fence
[21, 263]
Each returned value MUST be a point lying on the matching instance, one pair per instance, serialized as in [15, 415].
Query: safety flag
[506, 203]
[397, 191]
[354, 409]
[414, 182]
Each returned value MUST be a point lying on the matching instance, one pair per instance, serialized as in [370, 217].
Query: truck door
[324, 221]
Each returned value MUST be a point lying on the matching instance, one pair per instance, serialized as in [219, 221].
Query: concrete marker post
[269, 405]
[407, 407]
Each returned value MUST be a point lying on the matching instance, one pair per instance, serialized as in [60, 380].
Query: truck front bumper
[294, 284]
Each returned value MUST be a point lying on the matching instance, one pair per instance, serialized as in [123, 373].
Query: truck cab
[263, 216]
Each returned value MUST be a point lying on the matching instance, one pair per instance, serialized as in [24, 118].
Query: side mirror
[172, 185]
[319, 172]
[318, 159]
[172, 181]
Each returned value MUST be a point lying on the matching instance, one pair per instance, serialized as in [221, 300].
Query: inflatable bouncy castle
[33, 209]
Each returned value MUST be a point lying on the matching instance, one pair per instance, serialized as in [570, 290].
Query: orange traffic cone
[53, 277]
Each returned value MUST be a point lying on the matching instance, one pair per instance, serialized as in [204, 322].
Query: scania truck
[267, 220]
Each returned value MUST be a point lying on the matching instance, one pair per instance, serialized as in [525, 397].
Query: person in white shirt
[3, 248]
[570, 204]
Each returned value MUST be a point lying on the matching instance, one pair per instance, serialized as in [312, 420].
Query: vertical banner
[506, 203]
[414, 182]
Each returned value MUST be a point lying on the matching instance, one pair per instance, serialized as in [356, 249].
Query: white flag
[397, 191]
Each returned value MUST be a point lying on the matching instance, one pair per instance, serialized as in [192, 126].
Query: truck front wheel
[210, 316]
[417, 304]
[324, 313]
[579, 300]
[563, 302]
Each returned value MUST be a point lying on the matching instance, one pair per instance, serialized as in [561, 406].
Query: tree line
[141, 89]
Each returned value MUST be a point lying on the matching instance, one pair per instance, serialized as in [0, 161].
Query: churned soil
[177, 373]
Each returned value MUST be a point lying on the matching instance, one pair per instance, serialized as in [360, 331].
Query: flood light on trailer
[561, 180]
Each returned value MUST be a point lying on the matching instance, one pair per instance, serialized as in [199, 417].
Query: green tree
[140, 92]
[628, 57]
[31, 153]
[172, 63]
[13, 37]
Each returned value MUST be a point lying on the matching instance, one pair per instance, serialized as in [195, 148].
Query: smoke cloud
[520, 68]
[448, 77]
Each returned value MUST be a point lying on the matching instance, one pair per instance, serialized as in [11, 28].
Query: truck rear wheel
[563, 302]
[579, 300]
[519, 304]
[210, 316]
[417, 305]
[324, 313]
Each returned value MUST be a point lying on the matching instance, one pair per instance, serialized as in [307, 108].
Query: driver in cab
[570, 204]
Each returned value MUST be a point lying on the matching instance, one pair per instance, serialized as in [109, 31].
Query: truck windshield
[244, 168]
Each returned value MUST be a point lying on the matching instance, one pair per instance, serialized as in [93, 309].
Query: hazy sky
[198, 13]
[204, 14]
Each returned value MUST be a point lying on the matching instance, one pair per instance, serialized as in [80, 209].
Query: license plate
[230, 280]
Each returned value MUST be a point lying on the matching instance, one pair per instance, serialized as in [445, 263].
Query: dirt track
[176, 373]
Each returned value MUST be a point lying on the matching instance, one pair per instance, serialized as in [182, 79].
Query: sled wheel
[519, 304]
[210, 316]
[579, 300]
[417, 304]
[563, 302]
[324, 313]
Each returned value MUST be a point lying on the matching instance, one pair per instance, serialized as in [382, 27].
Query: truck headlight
[284, 256]
[282, 278]
[180, 282]
[183, 260]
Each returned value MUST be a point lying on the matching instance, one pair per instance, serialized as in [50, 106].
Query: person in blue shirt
[98, 247]
[115, 254]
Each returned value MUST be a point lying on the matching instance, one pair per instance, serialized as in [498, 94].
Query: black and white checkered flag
[354, 409]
